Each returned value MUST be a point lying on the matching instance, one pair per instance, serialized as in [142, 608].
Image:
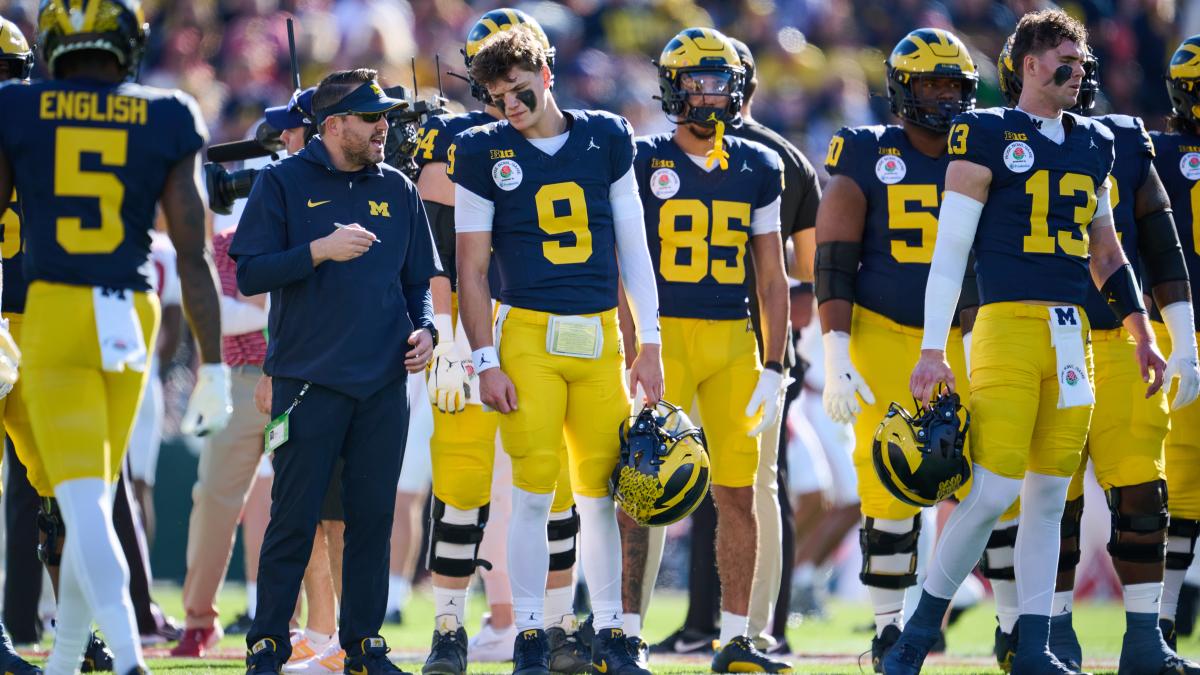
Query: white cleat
[490, 645]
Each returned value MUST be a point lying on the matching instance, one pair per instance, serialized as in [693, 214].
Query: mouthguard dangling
[718, 152]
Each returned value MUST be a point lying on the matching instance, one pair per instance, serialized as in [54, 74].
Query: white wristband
[485, 358]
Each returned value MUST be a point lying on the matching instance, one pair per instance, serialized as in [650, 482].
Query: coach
[341, 242]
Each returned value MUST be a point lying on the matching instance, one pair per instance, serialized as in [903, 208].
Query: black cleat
[881, 644]
[264, 657]
[240, 626]
[612, 654]
[640, 651]
[686, 641]
[394, 617]
[567, 654]
[96, 658]
[448, 654]
[1005, 648]
[1167, 628]
[531, 653]
[741, 656]
[369, 657]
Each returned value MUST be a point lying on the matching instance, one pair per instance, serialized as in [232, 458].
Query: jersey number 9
[573, 221]
[70, 180]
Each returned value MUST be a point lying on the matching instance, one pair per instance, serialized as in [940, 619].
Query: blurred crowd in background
[821, 62]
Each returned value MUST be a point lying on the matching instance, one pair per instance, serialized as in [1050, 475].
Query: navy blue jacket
[342, 325]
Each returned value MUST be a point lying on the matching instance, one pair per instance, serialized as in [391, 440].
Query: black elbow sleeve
[836, 268]
[441, 223]
[1122, 294]
[1160, 250]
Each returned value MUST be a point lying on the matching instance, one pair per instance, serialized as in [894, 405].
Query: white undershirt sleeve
[633, 254]
[472, 213]
[957, 221]
[766, 218]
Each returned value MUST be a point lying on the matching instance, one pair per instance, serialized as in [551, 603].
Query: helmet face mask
[929, 53]
[117, 27]
[922, 460]
[1183, 81]
[489, 24]
[663, 473]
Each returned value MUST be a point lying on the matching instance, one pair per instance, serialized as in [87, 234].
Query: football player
[1178, 161]
[554, 193]
[91, 155]
[1125, 441]
[1027, 188]
[875, 235]
[712, 210]
[464, 439]
[16, 63]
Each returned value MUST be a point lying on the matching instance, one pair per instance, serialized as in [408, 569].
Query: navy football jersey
[1032, 241]
[90, 160]
[552, 233]
[1177, 158]
[698, 223]
[437, 134]
[12, 298]
[903, 187]
[1134, 154]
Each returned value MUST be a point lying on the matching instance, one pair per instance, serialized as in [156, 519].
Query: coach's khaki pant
[228, 464]
[768, 572]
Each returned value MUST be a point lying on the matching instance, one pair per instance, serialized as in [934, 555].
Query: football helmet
[663, 473]
[1010, 81]
[701, 61]
[1183, 80]
[489, 24]
[115, 26]
[14, 50]
[929, 52]
[922, 460]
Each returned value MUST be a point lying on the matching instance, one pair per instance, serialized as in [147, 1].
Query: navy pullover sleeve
[264, 262]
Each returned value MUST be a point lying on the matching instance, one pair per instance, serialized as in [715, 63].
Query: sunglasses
[369, 118]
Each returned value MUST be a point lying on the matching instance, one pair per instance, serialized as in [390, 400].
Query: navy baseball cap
[297, 113]
[367, 98]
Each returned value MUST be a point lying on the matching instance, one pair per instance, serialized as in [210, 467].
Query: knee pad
[877, 543]
[561, 532]
[50, 524]
[990, 565]
[1184, 530]
[1068, 556]
[454, 546]
[1155, 520]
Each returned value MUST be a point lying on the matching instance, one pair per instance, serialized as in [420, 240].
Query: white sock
[319, 640]
[1064, 602]
[560, 608]
[1043, 499]
[733, 625]
[398, 589]
[86, 505]
[966, 533]
[1142, 598]
[600, 548]
[1007, 606]
[529, 555]
[1172, 584]
[888, 604]
[251, 598]
[73, 623]
[632, 624]
[449, 608]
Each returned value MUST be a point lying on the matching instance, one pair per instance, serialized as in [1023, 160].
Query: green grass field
[826, 646]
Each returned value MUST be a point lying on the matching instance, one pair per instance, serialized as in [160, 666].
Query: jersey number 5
[925, 222]
[70, 180]
[1039, 239]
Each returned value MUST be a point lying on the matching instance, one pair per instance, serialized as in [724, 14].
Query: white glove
[1182, 363]
[10, 360]
[447, 383]
[843, 384]
[768, 395]
[211, 404]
